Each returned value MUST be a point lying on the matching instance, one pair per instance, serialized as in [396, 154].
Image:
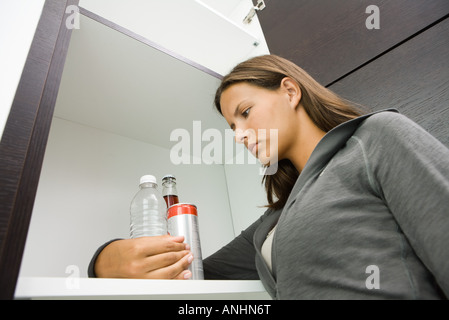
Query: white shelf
[86, 288]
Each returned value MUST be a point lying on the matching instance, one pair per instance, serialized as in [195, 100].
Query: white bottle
[148, 210]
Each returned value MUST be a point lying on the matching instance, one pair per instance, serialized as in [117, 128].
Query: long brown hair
[324, 107]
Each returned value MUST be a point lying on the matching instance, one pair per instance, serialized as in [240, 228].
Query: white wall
[88, 179]
[18, 22]
[247, 195]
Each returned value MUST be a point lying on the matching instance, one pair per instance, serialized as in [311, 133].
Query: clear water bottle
[148, 210]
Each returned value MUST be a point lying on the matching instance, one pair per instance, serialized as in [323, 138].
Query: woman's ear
[293, 91]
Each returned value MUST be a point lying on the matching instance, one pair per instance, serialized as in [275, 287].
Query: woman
[357, 204]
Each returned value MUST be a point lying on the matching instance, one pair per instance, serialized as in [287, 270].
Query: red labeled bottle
[169, 191]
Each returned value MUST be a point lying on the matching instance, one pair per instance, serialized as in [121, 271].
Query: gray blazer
[368, 218]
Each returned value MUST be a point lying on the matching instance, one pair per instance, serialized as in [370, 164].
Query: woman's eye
[245, 113]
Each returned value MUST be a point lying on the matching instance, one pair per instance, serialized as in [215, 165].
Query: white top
[266, 247]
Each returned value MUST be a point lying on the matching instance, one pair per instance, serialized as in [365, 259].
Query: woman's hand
[161, 257]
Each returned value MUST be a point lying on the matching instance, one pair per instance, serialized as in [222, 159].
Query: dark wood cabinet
[413, 78]
[329, 38]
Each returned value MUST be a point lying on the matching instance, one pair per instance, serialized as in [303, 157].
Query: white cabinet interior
[118, 102]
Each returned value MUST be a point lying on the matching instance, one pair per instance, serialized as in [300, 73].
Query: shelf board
[88, 288]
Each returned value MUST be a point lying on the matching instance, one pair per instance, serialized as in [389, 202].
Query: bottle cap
[148, 178]
[168, 176]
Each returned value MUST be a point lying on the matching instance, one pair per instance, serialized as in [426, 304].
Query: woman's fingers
[150, 246]
[176, 270]
[163, 260]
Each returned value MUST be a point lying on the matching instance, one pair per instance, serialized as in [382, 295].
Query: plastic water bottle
[148, 210]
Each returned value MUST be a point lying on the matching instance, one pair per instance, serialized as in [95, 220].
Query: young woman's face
[264, 120]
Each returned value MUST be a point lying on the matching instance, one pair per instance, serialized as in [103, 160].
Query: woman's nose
[240, 135]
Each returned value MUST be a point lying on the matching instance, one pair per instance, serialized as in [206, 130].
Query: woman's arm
[125, 258]
[411, 168]
[236, 260]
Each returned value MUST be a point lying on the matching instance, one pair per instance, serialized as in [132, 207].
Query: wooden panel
[329, 39]
[25, 136]
[414, 78]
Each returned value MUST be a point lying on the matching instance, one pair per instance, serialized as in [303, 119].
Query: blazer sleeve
[236, 260]
[91, 267]
[411, 168]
